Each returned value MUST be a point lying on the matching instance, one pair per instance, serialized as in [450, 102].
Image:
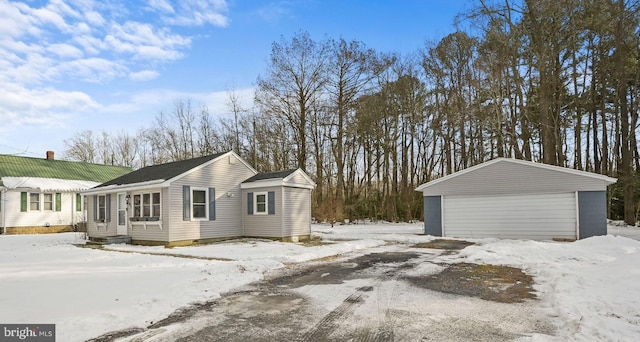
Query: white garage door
[538, 217]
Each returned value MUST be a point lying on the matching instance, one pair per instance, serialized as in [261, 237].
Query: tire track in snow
[327, 325]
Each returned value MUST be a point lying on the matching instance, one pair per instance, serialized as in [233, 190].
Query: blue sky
[73, 65]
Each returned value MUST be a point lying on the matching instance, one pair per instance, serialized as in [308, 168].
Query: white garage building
[516, 199]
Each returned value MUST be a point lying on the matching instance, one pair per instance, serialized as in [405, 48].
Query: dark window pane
[199, 196]
[261, 208]
[199, 211]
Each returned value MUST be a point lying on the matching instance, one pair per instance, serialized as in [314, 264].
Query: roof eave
[608, 180]
[158, 183]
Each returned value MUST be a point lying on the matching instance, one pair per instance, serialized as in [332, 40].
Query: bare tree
[293, 85]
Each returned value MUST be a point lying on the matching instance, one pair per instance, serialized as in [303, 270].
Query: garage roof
[506, 175]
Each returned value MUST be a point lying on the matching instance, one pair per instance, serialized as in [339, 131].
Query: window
[146, 205]
[137, 206]
[101, 215]
[199, 204]
[260, 203]
[155, 204]
[34, 202]
[47, 202]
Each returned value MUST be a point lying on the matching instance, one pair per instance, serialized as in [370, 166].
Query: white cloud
[94, 18]
[95, 70]
[91, 45]
[144, 75]
[143, 41]
[15, 22]
[42, 106]
[274, 11]
[200, 12]
[161, 6]
[65, 50]
[44, 44]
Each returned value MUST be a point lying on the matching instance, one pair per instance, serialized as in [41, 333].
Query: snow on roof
[47, 184]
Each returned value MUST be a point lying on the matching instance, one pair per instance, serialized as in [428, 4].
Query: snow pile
[253, 249]
[591, 285]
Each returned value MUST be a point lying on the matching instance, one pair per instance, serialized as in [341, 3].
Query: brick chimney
[50, 155]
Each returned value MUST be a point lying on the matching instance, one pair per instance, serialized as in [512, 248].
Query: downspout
[3, 193]
[73, 212]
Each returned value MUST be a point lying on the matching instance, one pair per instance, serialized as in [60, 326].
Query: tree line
[543, 80]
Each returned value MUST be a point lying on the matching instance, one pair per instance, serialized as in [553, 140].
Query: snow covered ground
[589, 287]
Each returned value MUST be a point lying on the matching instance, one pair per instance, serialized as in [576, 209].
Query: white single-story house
[201, 200]
[516, 199]
[43, 195]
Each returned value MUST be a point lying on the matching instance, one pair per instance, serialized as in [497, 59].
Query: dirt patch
[490, 282]
[445, 244]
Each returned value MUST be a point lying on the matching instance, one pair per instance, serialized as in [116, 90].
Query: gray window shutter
[250, 203]
[186, 203]
[95, 208]
[23, 201]
[107, 208]
[212, 204]
[271, 199]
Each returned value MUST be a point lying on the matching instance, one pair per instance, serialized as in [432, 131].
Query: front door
[122, 214]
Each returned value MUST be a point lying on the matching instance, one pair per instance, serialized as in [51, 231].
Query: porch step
[110, 240]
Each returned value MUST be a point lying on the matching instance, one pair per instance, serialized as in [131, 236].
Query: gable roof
[16, 166]
[270, 175]
[295, 178]
[525, 175]
[160, 172]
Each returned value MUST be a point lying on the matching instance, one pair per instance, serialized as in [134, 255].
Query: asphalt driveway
[390, 294]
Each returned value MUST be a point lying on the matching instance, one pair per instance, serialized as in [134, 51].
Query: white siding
[538, 217]
[511, 178]
[296, 212]
[263, 225]
[225, 176]
[15, 218]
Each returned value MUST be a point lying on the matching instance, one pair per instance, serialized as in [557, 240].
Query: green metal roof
[14, 166]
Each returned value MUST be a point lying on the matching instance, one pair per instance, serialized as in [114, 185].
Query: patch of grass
[490, 282]
[101, 247]
[316, 241]
[445, 244]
